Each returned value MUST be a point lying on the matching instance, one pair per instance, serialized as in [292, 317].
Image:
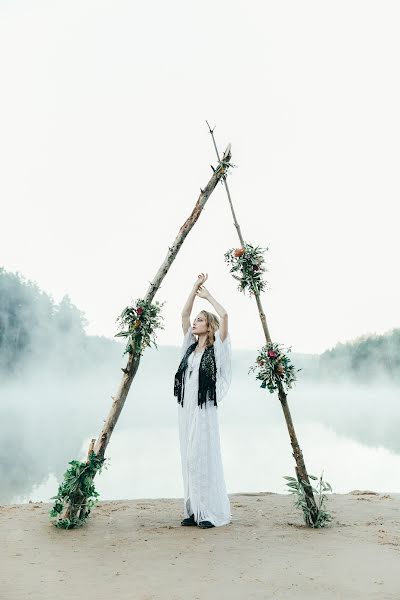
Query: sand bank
[137, 550]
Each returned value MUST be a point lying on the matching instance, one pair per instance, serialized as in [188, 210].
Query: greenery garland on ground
[298, 488]
[138, 323]
[77, 489]
[247, 267]
[274, 367]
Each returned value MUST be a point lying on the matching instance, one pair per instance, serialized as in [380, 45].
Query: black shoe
[189, 521]
[205, 524]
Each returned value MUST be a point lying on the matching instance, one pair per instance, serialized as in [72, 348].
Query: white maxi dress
[205, 493]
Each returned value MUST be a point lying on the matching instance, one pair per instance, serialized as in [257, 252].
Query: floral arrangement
[322, 517]
[138, 324]
[274, 367]
[77, 489]
[247, 266]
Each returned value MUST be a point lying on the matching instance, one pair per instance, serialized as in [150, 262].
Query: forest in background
[35, 330]
[33, 327]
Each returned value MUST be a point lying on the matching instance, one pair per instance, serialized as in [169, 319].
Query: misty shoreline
[56, 389]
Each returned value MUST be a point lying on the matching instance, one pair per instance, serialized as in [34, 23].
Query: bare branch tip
[209, 127]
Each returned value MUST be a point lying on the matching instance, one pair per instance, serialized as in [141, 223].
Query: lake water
[350, 432]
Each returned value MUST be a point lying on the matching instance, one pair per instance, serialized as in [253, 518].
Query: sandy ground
[137, 549]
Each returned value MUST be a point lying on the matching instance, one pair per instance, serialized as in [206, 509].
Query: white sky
[103, 149]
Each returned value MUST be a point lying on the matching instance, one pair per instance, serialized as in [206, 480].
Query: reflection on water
[350, 432]
[145, 462]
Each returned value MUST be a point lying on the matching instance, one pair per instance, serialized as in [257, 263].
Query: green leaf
[305, 483]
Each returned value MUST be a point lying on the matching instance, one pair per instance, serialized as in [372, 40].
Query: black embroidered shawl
[207, 376]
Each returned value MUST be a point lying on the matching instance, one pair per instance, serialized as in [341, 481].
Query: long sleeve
[223, 360]
[188, 340]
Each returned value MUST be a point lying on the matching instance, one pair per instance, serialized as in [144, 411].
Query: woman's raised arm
[187, 309]
[223, 315]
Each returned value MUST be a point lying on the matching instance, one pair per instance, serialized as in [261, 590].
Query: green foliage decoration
[247, 267]
[77, 490]
[274, 368]
[138, 323]
[297, 488]
[224, 164]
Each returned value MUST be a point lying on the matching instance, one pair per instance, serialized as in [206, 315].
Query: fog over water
[49, 415]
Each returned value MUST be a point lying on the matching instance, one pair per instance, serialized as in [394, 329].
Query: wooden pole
[134, 358]
[301, 470]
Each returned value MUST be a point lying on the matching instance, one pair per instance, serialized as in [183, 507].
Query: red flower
[272, 354]
[139, 311]
[239, 252]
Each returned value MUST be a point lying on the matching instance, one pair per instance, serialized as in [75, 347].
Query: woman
[202, 380]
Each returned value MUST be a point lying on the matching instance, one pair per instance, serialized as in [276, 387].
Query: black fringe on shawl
[207, 377]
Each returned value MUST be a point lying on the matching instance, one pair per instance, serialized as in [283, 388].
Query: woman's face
[199, 324]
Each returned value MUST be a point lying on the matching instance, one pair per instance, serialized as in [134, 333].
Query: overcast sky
[103, 149]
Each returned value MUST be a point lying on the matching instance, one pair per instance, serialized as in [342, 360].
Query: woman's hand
[200, 280]
[203, 292]
[187, 309]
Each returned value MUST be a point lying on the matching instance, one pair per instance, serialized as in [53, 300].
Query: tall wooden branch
[134, 359]
[75, 510]
[301, 470]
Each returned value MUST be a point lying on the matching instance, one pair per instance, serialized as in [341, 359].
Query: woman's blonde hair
[212, 322]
